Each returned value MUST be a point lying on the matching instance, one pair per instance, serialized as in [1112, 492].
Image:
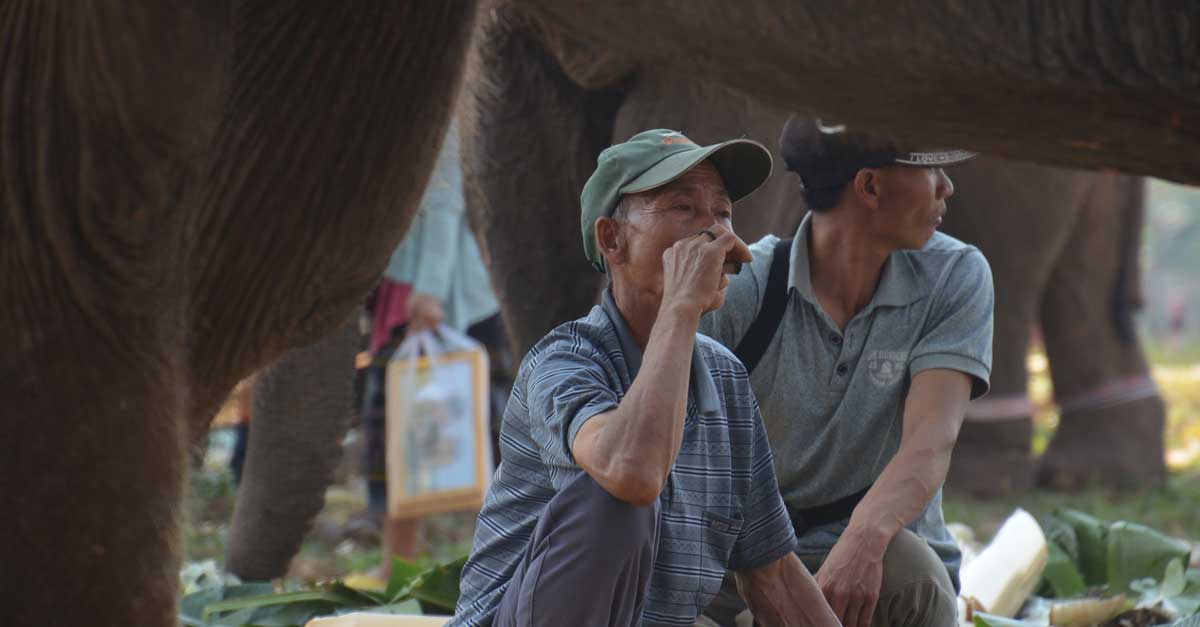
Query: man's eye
[682, 208]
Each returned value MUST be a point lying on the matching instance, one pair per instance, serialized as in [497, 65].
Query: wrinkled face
[660, 217]
[912, 202]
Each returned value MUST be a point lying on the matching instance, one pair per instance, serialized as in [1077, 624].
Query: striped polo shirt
[720, 508]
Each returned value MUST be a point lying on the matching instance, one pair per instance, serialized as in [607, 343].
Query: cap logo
[829, 129]
[934, 158]
[677, 139]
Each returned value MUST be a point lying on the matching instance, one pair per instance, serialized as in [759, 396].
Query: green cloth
[657, 157]
[440, 256]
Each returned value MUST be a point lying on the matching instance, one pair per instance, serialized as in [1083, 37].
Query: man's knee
[916, 587]
[917, 603]
[604, 520]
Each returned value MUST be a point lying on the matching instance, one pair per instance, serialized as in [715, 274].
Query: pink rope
[1112, 393]
[1000, 407]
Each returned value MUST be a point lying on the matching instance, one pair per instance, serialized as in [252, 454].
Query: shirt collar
[701, 388]
[897, 285]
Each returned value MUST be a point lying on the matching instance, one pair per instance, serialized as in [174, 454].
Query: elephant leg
[180, 202]
[302, 408]
[993, 455]
[530, 140]
[1112, 417]
[1019, 215]
[102, 106]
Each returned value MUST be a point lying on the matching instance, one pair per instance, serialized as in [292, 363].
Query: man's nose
[707, 218]
[945, 185]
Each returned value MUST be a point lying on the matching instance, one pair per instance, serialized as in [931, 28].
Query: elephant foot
[992, 459]
[1118, 446]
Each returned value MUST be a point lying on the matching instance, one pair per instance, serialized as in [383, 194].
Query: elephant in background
[1063, 244]
[1034, 223]
[192, 187]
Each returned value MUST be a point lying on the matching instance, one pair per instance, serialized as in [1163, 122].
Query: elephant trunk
[302, 406]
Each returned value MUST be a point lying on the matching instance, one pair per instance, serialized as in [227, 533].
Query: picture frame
[439, 454]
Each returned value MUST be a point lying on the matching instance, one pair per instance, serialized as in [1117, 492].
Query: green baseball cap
[654, 158]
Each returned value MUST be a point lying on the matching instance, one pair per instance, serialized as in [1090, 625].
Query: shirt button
[841, 369]
[836, 339]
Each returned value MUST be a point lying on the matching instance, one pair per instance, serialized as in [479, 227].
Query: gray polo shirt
[833, 400]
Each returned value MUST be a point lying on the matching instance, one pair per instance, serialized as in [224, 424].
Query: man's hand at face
[851, 578]
[694, 269]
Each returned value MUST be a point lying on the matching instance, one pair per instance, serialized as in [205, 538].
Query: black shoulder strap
[754, 344]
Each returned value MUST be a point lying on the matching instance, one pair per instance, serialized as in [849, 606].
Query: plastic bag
[438, 443]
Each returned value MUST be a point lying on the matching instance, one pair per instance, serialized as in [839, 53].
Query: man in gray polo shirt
[864, 349]
[635, 467]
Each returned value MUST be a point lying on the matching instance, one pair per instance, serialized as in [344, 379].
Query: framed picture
[438, 442]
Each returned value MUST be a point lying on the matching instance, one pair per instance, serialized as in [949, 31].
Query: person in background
[244, 399]
[435, 276]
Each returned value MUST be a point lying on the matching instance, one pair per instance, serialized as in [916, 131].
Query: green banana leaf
[334, 594]
[285, 609]
[1059, 532]
[1061, 579]
[191, 606]
[400, 583]
[1177, 591]
[1136, 551]
[411, 590]
[437, 588]
[1091, 536]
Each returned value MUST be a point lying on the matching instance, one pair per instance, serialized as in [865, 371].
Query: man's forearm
[784, 593]
[639, 441]
[902, 491]
[933, 414]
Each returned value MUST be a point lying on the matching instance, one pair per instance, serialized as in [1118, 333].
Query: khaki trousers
[916, 590]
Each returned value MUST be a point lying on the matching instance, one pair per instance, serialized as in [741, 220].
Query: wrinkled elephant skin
[1085, 85]
[187, 189]
[302, 407]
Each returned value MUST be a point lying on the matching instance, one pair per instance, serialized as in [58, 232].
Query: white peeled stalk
[1006, 572]
[367, 619]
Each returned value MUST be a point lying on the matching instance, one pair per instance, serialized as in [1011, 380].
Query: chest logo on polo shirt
[886, 367]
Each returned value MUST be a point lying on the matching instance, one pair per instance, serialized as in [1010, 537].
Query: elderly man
[865, 335]
[635, 465]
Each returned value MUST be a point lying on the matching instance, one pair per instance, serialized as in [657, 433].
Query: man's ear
[610, 240]
[866, 187]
